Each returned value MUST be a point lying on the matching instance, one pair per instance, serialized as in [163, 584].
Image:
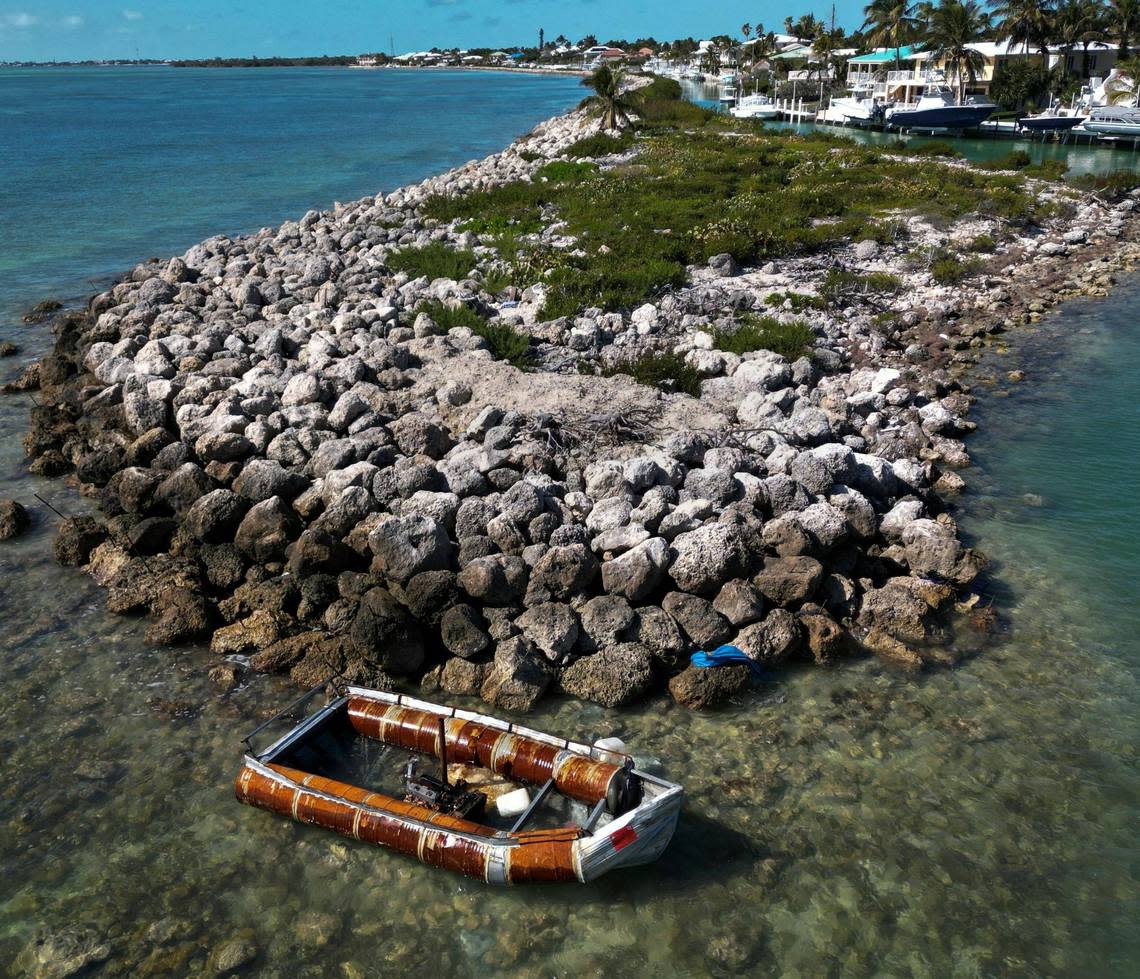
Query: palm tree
[890, 24]
[1027, 22]
[608, 96]
[788, 24]
[1078, 22]
[954, 27]
[1123, 22]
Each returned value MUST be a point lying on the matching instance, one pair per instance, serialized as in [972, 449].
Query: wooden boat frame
[598, 776]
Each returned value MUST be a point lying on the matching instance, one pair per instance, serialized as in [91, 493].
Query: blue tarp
[726, 656]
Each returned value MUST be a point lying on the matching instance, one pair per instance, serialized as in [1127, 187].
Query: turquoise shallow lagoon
[847, 822]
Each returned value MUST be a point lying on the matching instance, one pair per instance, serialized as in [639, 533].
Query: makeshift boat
[445, 821]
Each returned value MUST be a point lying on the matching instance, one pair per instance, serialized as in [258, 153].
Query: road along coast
[467, 435]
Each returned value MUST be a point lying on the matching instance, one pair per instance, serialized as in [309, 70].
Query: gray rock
[704, 627]
[699, 688]
[616, 676]
[788, 580]
[773, 640]
[552, 627]
[405, 546]
[518, 677]
[740, 602]
[260, 479]
[603, 621]
[638, 572]
[496, 580]
[655, 629]
[463, 632]
[267, 530]
[704, 559]
[561, 573]
[14, 519]
[384, 634]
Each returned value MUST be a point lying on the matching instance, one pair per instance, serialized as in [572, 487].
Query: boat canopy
[905, 53]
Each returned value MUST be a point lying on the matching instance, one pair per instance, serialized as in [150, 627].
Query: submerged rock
[697, 687]
[14, 519]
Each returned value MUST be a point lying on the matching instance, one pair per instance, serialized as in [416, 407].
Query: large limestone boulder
[705, 558]
[384, 633]
[406, 546]
[615, 676]
[518, 676]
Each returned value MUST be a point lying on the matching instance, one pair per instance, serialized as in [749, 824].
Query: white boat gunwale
[655, 815]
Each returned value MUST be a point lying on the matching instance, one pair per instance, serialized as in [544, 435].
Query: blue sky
[79, 29]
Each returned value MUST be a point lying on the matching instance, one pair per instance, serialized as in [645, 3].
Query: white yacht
[1114, 120]
[728, 84]
[755, 107]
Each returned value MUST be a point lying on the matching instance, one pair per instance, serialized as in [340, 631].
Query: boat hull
[637, 835]
[946, 117]
[1049, 124]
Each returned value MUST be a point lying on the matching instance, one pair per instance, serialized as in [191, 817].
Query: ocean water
[842, 822]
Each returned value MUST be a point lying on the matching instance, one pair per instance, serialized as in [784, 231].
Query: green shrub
[436, 261]
[448, 317]
[799, 300]
[933, 148]
[668, 371]
[1114, 184]
[1013, 160]
[600, 144]
[1046, 170]
[565, 171]
[839, 283]
[984, 244]
[503, 342]
[792, 340]
[529, 155]
[948, 269]
[506, 343]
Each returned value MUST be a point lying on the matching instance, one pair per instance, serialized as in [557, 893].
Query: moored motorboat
[727, 86]
[1114, 121]
[938, 109]
[446, 822]
[755, 107]
[1050, 122]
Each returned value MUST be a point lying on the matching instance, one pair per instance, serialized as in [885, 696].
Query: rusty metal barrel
[434, 838]
[513, 756]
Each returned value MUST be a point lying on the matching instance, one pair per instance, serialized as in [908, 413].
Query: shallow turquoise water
[846, 822]
[103, 167]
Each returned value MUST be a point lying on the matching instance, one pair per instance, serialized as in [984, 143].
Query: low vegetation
[504, 342]
[841, 285]
[436, 261]
[667, 371]
[792, 339]
[1111, 185]
[601, 144]
[693, 192]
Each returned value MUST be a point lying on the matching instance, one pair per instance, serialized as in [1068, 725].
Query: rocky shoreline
[296, 462]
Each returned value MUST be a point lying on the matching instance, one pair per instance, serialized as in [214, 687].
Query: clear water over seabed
[847, 822]
[1080, 157]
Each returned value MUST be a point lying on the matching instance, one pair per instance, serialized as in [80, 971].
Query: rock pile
[295, 464]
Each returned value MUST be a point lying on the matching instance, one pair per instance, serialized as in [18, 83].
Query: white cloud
[73, 21]
[19, 20]
[133, 14]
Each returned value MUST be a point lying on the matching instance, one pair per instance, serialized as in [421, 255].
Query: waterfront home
[602, 54]
[903, 75]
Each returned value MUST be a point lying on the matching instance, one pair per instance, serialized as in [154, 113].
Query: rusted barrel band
[512, 755]
[431, 837]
